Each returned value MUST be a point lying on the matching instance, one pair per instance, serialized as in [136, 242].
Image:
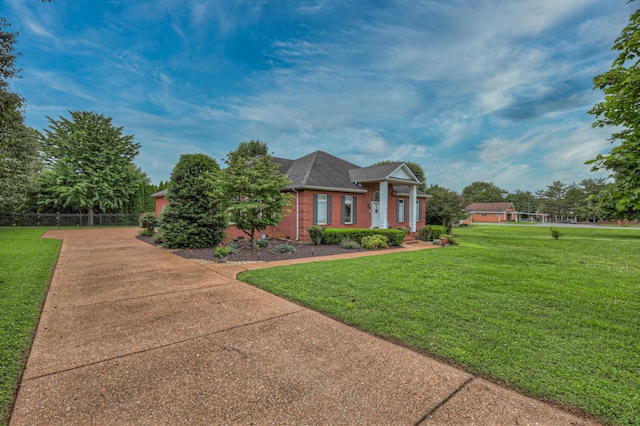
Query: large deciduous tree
[90, 165]
[483, 192]
[252, 187]
[620, 109]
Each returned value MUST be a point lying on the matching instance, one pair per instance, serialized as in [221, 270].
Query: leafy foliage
[193, 219]
[431, 232]
[148, 221]
[251, 188]
[424, 233]
[374, 242]
[222, 252]
[556, 233]
[620, 109]
[348, 243]
[395, 237]
[20, 160]
[483, 192]
[316, 232]
[444, 206]
[284, 248]
[90, 165]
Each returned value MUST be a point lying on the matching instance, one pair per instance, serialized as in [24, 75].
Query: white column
[413, 196]
[384, 204]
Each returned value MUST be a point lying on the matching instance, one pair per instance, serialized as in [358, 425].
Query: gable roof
[489, 207]
[320, 170]
[159, 194]
[393, 172]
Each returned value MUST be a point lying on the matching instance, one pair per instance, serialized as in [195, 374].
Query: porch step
[410, 239]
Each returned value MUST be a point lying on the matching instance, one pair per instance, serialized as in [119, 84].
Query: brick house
[330, 191]
[499, 212]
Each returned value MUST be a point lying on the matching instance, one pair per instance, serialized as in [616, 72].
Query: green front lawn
[556, 319]
[26, 265]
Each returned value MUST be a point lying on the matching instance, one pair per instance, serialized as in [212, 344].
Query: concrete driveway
[131, 334]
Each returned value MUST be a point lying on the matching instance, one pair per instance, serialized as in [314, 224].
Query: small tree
[444, 207]
[193, 219]
[251, 187]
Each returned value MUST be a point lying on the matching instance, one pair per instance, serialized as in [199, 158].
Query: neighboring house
[497, 213]
[161, 201]
[333, 192]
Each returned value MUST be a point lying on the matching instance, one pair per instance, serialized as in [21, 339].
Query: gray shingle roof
[318, 170]
[322, 170]
[364, 174]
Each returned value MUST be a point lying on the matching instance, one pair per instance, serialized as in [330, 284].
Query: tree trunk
[90, 217]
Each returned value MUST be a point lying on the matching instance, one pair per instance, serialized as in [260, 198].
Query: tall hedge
[192, 219]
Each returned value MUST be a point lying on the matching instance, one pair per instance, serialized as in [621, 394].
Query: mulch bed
[265, 254]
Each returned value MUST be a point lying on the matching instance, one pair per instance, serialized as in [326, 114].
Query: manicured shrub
[395, 237]
[284, 248]
[437, 231]
[374, 242]
[262, 243]
[348, 243]
[148, 222]
[222, 252]
[157, 239]
[316, 232]
[424, 233]
[192, 219]
[233, 248]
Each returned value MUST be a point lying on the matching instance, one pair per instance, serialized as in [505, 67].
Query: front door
[375, 210]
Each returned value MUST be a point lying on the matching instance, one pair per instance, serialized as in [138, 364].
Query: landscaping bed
[267, 253]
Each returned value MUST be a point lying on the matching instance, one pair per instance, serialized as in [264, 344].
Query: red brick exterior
[287, 227]
[491, 217]
[160, 203]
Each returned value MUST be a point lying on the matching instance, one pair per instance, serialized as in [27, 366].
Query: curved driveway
[131, 334]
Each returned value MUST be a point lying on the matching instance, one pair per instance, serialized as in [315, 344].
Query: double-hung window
[349, 212]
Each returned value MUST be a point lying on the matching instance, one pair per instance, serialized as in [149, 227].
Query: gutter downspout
[297, 215]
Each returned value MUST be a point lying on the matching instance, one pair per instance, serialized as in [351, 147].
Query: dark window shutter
[315, 209]
[419, 212]
[329, 210]
[406, 211]
[397, 210]
[355, 209]
[342, 209]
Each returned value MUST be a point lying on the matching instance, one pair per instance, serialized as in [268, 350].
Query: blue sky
[472, 90]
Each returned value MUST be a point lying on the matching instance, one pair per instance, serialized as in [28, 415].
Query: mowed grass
[556, 319]
[26, 265]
